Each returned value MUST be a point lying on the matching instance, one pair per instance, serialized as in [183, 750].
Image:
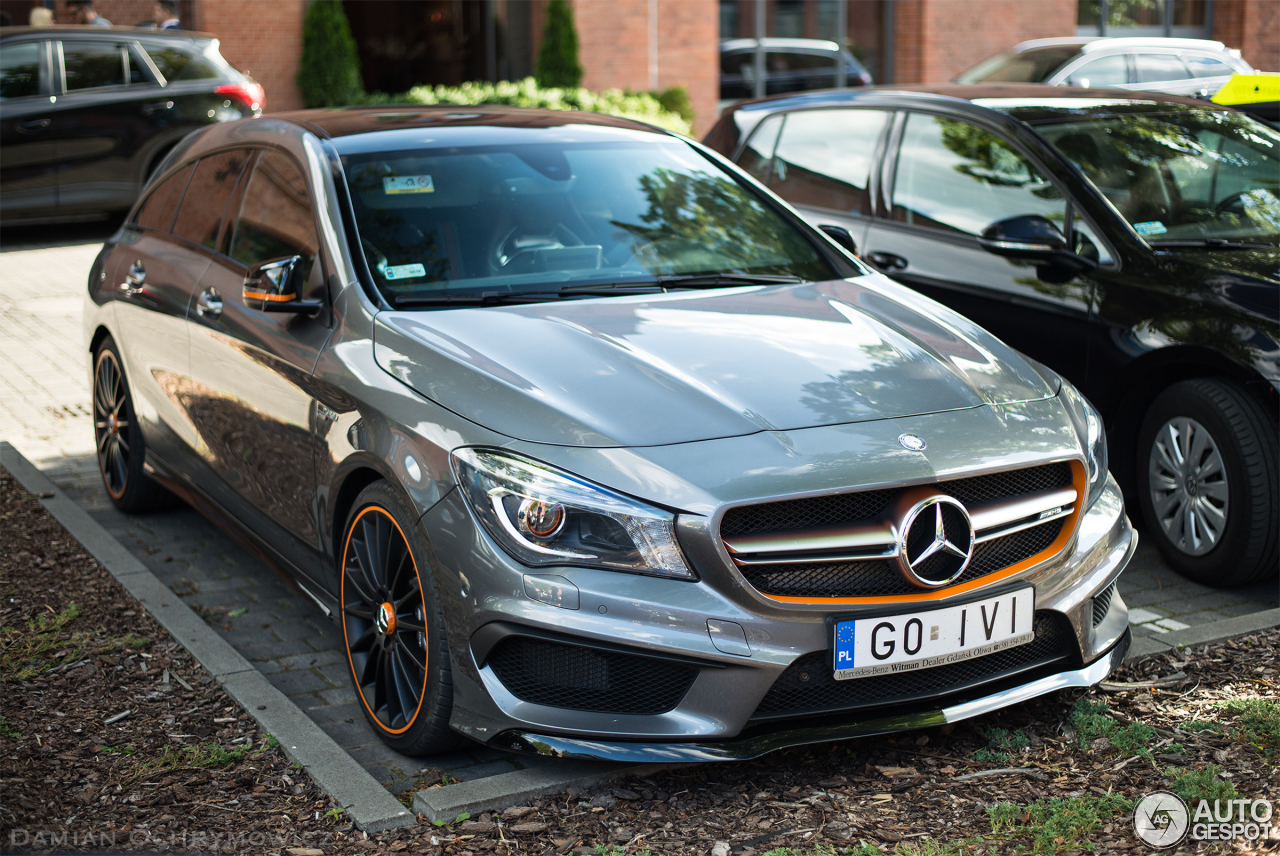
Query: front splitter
[754, 747]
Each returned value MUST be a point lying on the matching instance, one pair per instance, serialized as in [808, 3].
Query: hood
[676, 368]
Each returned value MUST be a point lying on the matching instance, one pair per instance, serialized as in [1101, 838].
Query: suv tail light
[249, 94]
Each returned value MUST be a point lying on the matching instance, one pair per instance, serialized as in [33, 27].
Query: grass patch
[127, 749]
[6, 731]
[1202, 726]
[1202, 784]
[929, 847]
[25, 654]
[207, 755]
[1001, 745]
[1056, 824]
[1090, 720]
[1256, 722]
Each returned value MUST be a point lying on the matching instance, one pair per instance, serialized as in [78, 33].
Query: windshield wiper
[486, 298]
[1214, 244]
[657, 285]
[700, 280]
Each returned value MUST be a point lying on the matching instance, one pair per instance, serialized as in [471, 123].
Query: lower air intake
[807, 685]
[579, 678]
[1102, 603]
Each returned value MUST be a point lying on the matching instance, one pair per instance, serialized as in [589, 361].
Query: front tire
[121, 449]
[393, 627]
[1207, 467]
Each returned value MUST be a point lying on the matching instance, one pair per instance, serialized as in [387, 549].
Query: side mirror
[1036, 239]
[273, 286]
[841, 236]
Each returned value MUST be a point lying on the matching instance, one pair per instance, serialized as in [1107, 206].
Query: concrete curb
[1204, 634]
[369, 805]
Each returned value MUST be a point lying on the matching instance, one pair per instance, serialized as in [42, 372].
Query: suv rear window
[89, 65]
[183, 63]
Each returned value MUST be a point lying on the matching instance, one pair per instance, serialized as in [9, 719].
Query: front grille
[880, 577]
[579, 678]
[807, 685]
[1102, 603]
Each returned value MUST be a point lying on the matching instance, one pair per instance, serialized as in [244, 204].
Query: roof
[774, 43]
[348, 121]
[104, 32]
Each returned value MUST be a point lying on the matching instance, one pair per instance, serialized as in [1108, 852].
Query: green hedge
[641, 106]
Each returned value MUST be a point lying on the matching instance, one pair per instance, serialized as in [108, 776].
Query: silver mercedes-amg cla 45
[590, 445]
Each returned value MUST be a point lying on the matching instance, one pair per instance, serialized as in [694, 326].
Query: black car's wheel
[393, 627]
[118, 438]
[1207, 461]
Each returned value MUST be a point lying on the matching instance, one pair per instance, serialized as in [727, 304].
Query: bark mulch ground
[187, 770]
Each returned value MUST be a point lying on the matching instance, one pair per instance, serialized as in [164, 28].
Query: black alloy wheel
[118, 438]
[1208, 482]
[393, 628]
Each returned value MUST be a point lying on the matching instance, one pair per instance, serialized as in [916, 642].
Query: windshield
[442, 223]
[1191, 175]
[1033, 66]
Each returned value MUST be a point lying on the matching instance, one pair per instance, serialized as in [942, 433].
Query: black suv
[1128, 240]
[86, 113]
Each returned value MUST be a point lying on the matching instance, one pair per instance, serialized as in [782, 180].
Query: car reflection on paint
[591, 446]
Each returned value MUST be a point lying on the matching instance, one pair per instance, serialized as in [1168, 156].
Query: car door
[251, 370]
[951, 179]
[822, 164]
[155, 277]
[28, 153]
[101, 123]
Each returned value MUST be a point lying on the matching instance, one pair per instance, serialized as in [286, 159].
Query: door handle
[32, 126]
[152, 109]
[134, 279]
[209, 304]
[887, 261]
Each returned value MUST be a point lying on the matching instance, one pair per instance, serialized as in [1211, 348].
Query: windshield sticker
[408, 184]
[1153, 227]
[404, 271]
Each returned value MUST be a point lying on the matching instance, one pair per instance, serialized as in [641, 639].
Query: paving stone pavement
[44, 413]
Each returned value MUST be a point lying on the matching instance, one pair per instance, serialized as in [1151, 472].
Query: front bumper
[755, 746]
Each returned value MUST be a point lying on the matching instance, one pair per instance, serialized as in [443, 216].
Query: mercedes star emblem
[911, 442]
[935, 542]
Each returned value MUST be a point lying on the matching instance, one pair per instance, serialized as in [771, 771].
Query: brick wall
[1252, 26]
[121, 13]
[262, 37]
[938, 39]
[689, 54]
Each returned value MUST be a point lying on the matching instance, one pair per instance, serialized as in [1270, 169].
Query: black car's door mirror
[841, 236]
[1033, 238]
[273, 286]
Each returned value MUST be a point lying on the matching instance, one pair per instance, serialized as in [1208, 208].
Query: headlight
[1095, 438]
[543, 516]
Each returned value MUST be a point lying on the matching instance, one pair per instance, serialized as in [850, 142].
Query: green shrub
[1056, 824]
[1202, 784]
[558, 57]
[527, 93]
[675, 99]
[1256, 722]
[329, 71]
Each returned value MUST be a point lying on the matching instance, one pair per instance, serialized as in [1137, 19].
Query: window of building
[1188, 19]
[200, 216]
[160, 206]
[728, 19]
[1102, 72]
[276, 218]
[824, 158]
[1154, 68]
[20, 70]
[89, 65]
[958, 178]
[756, 157]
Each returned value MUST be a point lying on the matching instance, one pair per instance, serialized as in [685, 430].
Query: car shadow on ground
[49, 235]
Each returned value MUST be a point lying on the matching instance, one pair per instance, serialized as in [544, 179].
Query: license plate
[865, 647]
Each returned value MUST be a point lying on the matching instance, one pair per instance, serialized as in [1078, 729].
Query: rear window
[89, 65]
[161, 205]
[185, 62]
[1033, 66]
[200, 217]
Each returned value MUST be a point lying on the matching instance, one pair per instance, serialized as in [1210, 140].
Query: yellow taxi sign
[1250, 89]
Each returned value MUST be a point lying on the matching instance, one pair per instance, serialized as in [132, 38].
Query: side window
[759, 151]
[276, 218]
[89, 65]
[181, 63]
[958, 178]
[1087, 243]
[824, 158]
[1102, 72]
[1206, 66]
[205, 203]
[20, 70]
[1155, 68]
[161, 203]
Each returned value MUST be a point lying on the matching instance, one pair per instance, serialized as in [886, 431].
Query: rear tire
[393, 627]
[1208, 482]
[121, 449]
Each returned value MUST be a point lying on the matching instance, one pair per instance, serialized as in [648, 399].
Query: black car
[86, 113]
[1127, 240]
[791, 65]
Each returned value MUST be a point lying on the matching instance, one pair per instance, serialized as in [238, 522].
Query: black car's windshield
[1030, 66]
[488, 220]
[1186, 175]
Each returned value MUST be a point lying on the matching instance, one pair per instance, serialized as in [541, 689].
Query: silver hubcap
[1188, 485]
